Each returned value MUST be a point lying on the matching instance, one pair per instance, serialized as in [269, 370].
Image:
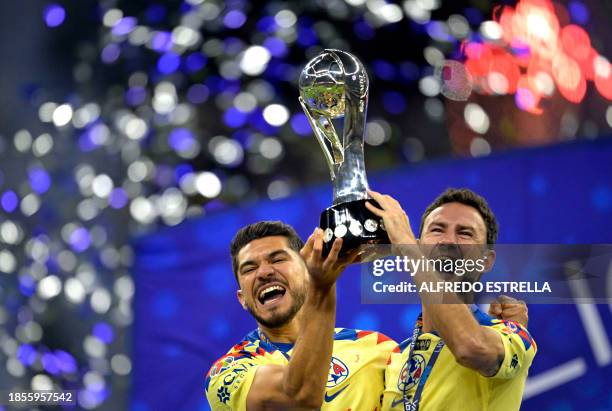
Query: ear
[490, 256]
[241, 299]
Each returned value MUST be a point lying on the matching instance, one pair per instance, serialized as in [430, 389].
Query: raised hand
[323, 272]
[508, 308]
[394, 217]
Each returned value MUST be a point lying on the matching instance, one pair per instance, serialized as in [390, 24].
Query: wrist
[321, 289]
[321, 293]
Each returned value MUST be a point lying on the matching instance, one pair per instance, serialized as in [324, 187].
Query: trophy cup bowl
[334, 96]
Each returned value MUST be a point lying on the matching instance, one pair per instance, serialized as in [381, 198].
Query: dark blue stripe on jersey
[346, 334]
[483, 318]
[404, 344]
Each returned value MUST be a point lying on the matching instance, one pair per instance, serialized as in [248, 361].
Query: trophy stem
[351, 182]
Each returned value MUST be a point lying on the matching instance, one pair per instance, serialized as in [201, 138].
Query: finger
[506, 299]
[389, 199]
[376, 196]
[375, 210]
[515, 305]
[514, 311]
[318, 244]
[307, 248]
[508, 313]
[332, 257]
[495, 309]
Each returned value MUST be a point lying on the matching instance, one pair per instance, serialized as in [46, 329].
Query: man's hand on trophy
[324, 272]
[394, 218]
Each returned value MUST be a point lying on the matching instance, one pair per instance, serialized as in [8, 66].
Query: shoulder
[364, 336]
[506, 328]
[364, 340]
[228, 381]
[512, 328]
[244, 354]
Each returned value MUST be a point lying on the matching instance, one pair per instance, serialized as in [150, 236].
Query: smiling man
[295, 359]
[287, 362]
[458, 358]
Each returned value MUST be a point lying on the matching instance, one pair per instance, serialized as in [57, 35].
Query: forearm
[450, 317]
[306, 374]
[472, 345]
[455, 324]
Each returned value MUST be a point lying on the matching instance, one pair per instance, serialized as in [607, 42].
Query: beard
[278, 318]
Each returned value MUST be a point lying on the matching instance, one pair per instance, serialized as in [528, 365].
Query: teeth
[269, 289]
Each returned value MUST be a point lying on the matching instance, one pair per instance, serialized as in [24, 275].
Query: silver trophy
[334, 96]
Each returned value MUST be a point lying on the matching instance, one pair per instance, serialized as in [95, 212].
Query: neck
[286, 333]
[427, 323]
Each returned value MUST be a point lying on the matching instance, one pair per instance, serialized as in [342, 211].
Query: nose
[447, 238]
[264, 270]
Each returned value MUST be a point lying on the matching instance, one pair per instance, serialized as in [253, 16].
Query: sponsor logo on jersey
[338, 372]
[222, 365]
[223, 394]
[330, 397]
[422, 345]
[514, 361]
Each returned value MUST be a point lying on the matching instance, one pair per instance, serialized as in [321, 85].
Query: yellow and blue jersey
[356, 373]
[450, 386]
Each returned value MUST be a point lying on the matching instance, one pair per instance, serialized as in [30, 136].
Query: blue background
[187, 314]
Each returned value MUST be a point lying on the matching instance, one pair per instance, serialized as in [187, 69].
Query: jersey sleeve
[392, 396]
[519, 348]
[229, 380]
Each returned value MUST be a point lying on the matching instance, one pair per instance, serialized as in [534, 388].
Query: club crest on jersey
[410, 375]
[338, 372]
[221, 365]
[511, 326]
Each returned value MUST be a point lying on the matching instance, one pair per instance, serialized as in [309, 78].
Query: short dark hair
[259, 230]
[469, 198]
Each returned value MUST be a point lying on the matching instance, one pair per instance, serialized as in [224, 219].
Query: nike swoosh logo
[395, 403]
[329, 398]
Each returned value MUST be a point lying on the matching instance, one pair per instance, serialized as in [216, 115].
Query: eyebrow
[269, 256]
[466, 227]
[444, 225]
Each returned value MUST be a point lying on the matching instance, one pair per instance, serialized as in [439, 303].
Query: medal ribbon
[412, 404]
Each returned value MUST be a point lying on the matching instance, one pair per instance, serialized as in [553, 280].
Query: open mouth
[271, 293]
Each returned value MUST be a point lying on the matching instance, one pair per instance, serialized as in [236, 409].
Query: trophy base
[354, 223]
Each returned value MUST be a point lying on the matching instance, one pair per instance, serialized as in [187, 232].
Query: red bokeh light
[576, 42]
[603, 77]
[503, 64]
[539, 49]
[569, 78]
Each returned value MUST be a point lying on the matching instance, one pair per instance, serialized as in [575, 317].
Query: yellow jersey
[356, 373]
[449, 386]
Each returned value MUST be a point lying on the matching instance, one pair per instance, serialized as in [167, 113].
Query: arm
[472, 345]
[301, 383]
[484, 350]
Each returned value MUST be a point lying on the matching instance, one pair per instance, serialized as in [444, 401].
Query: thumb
[495, 309]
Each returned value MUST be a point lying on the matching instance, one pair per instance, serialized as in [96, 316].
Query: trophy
[334, 96]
